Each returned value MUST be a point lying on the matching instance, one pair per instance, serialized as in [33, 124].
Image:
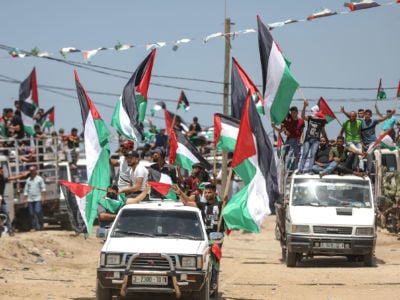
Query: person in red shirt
[293, 128]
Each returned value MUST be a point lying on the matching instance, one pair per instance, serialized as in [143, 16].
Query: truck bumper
[332, 245]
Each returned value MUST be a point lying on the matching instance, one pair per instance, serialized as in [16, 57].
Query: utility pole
[226, 94]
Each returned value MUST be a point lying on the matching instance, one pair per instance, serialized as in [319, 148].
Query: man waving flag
[97, 152]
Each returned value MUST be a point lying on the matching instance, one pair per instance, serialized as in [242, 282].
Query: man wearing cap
[123, 172]
[34, 198]
[138, 176]
[160, 165]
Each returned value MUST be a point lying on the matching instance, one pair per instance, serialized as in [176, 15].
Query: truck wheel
[291, 259]
[102, 293]
[368, 260]
[21, 221]
[204, 293]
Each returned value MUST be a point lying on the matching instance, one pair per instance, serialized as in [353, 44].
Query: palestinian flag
[48, 119]
[27, 113]
[380, 94]
[241, 83]
[321, 13]
[162, 183]
[226, 130]
[386, 141]
[360, 5]
[97, 152]
[325, 111]
[183, 152]
[254, 162]
[169, 117]
[2, 128]
[183, 102]
[75, 199]
[398, 89]
[28, 89]
[157, 107]
[279, 144]
[279, 84]
[130, 110]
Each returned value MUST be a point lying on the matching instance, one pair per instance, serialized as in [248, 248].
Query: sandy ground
[53, 264]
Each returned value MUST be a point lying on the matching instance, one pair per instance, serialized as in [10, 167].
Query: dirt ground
[53, 264]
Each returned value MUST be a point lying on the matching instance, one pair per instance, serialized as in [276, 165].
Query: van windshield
[330, 192]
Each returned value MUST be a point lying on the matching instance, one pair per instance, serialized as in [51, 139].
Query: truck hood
[309, 215]
[152, 245]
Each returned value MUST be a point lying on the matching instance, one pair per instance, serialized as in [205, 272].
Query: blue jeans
[293, 151]
[4, 210]
[35, 212]
[328, 167]
[309, 146]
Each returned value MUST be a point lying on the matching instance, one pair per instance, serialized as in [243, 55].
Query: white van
[329, 216]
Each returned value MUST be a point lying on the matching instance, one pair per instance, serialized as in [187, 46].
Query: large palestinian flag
[241, 83]
[27, 113]
[226, 130]
[28, 89]
[130, 110]
[279, 85]
[253, 161]
[97, 152]
[75, 199]
[182, 152]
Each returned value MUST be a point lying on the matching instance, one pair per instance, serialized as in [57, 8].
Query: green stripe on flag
[142, 106]
[246, 171]
[226, 143]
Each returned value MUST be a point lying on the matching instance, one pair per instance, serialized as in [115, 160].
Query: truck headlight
[188, 262]
[365, 231]
[300, 229]
[113, 259]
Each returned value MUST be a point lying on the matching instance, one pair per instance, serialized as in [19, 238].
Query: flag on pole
[226, 130]
[279, 144]
[325, 111]
[28, 89]
[241, 83]
[47, 120]
[162, 183]
[183, 102]
[169, 117]
[380, 94]
[27, 113]
[157, 107]
[131, 107]
[75, 199]
[253, 161]
[398, 91]
[97, 152]
[385, 139]
[184, 153]
[279, 85]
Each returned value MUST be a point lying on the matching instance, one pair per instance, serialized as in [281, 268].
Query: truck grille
[332, 230]
[151, 262]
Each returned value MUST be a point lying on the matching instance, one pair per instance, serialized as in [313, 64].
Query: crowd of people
[307, 140]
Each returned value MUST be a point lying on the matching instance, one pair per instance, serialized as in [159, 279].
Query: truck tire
[21, 221]
[291, 259]
[204, 293]
[102, 293]
[368, 260]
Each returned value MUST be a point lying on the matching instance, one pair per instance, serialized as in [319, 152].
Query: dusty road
[54, 264]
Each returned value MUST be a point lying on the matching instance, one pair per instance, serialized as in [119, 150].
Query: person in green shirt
[351, 129]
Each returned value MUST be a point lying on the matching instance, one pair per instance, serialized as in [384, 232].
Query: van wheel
[368, 260]
[21, 221]
[102, 293]
[291, 259]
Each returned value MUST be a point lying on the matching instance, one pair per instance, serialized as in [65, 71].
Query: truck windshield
[330, 192]
[148, 223]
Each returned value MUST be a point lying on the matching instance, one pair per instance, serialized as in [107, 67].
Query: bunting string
[15, 52]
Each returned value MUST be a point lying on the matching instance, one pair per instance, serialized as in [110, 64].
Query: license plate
[150, 280]
[332, 245]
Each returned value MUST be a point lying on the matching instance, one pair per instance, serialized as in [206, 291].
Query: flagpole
[228, 183]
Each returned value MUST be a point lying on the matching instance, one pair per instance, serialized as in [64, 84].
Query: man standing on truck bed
[3, 204]
[34, 197]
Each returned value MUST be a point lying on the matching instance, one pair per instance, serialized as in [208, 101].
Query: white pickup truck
[155, 247]
[329, 216]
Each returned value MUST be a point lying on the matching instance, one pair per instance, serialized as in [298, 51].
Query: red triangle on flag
[81, 190]
[162, 188]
